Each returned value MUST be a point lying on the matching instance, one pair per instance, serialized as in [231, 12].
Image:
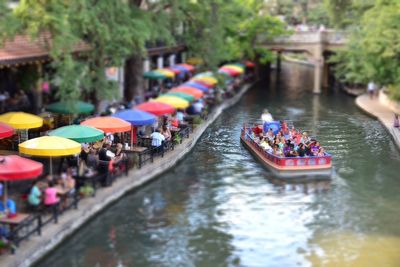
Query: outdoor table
[137, 150]
[19, 219]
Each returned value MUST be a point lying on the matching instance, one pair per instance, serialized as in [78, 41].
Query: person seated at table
[173, 121]
[10, 209]
[69, 181]
[166, 132]
[157, 140]
[180, 115]
[50, 195]
[92, 159]
[104, 153]
[34, 197]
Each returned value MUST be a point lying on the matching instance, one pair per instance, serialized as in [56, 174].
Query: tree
[374, 49]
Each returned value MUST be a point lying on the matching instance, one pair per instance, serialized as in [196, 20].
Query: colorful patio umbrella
[180, 68]
[174, 101]
[108, 124]
[208, 80]
[174, 70]
[206, 84]
[229, 71]
[249, 64]
[182, 95]
[21, 120]
[233, 67]
[240, 65]
[189, 90]
[196, 85]
[167, 73]
[136, 118]
[153, 75]
[16, 168]
[156, 108]
[187, 66]
[5, 130]
[79, 133]
[204, 74]
[78, 107]
[50, 146]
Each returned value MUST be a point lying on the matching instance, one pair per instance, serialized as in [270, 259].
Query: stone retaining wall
[53, 234]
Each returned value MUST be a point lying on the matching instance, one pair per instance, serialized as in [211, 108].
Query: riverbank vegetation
[119, 33]
[373, 49]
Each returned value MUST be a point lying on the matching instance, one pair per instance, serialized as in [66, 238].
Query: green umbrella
[77, 107]
[182, 95]
[154, 75]
[79, 133]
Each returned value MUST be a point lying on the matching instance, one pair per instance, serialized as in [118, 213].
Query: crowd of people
[284, 141]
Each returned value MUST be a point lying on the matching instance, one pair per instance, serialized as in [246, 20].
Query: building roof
[23, 50]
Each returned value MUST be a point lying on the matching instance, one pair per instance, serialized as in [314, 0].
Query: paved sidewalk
[384, 114]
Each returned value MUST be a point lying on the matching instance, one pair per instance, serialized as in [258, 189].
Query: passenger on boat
[270, 134]
[265, 145]
[304, 138]
[266, 116]
[301, 150]
[276, 151]
[258, 130]
[315, 147]
[321, 152]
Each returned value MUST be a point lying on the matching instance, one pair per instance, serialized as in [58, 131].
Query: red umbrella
[15, 168]
[5, 130]
[156, 108]
[250, 64]
[230, 72]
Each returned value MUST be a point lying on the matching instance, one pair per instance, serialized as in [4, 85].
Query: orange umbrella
[197, 93]
[108, 124]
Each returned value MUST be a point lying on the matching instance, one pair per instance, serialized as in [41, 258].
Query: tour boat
[287, 167]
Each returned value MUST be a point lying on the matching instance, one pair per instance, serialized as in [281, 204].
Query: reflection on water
[219, 207]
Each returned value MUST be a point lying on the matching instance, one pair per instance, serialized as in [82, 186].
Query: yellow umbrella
[174, 101]
[21, 120]
[50, 146]
[167, 73]
[207, 79]
[234, 67]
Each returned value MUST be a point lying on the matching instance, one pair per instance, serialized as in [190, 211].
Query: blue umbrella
[182, 69]
[136, 118]
[197, 86]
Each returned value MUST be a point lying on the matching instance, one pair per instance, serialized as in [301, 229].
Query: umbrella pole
[51, 168]
[131, 136]
[5, 196]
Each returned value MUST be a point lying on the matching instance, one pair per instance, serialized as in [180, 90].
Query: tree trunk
[134, 82]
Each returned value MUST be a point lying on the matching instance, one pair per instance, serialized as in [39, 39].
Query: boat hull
[293, 171]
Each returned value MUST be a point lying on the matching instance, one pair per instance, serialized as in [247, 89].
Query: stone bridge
[317, 44]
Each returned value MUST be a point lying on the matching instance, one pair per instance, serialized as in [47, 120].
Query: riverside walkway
[384, 114]
[38, 246]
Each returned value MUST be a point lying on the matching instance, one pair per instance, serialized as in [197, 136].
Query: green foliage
[374, 49]
[177, 139]
[214, 30]
[345, 13]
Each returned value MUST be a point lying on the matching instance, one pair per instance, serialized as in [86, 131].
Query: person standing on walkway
[371, 88]
[396, 123]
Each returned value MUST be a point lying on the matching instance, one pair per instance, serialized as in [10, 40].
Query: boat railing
[287, 161]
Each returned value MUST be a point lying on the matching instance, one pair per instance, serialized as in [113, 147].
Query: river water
[219, 207]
